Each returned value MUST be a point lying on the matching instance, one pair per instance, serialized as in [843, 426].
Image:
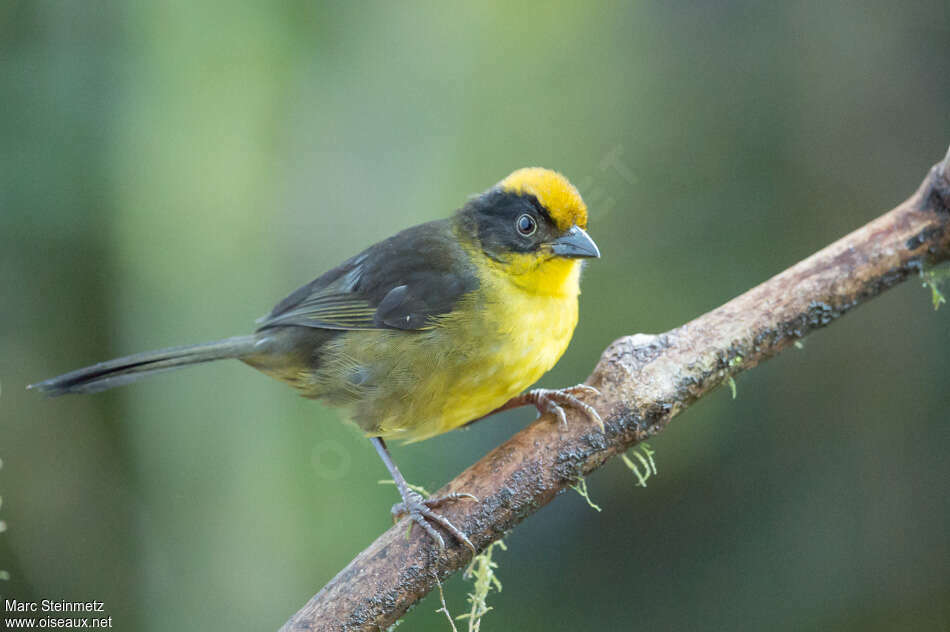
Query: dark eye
[526, 225]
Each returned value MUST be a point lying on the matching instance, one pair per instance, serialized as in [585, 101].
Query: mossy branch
[645, 381]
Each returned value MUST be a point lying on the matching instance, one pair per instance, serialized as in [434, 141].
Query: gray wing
[404, 282]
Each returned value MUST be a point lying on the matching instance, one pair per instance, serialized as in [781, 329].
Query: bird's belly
[510, 350]
[414, 385]
[503, 370]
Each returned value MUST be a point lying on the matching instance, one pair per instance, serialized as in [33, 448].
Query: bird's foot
[554, 400]
[420, 511]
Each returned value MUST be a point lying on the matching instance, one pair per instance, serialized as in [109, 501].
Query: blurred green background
[169, 170]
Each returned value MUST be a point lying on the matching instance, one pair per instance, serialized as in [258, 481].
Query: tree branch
[645, 381]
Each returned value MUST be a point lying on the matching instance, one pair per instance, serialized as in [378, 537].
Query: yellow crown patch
[553, 191]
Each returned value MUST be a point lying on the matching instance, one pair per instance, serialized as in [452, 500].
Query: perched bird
[438, 326]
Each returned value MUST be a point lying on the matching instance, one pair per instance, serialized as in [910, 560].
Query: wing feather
[404, 282]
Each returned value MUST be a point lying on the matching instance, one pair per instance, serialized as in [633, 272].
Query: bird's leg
[554, 400]
[419, 509]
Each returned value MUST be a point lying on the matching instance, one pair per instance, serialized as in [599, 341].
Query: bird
[436, 327]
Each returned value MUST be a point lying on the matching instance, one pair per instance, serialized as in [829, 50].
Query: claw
[419, 510]
[584, 388]
[554, 401]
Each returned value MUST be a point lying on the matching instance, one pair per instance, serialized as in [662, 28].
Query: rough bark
[645, 381]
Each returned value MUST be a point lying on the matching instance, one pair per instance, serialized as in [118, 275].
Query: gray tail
[121, 371]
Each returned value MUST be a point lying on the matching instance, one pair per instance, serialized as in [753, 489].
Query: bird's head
[532, 225]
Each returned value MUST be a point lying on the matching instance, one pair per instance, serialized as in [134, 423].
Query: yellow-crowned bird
[431, 329]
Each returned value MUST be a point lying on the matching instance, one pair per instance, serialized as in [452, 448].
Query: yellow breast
[520, 329]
